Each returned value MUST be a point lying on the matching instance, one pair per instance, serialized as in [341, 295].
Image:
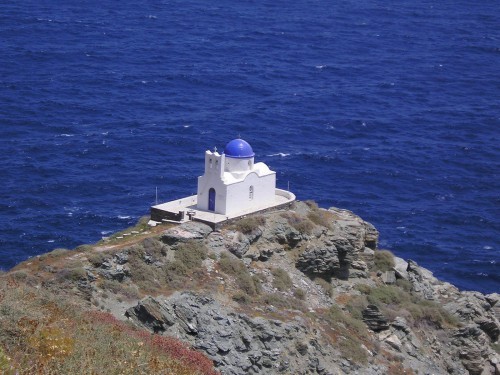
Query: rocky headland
[299, 291]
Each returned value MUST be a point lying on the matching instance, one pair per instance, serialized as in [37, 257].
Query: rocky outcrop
[304, 341]
[338, 251]
[191, 230]
[237, 343]
[374, 319]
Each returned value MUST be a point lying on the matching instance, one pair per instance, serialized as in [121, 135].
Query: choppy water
[389, 109]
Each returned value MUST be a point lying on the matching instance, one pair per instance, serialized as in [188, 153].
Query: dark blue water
[390, 109]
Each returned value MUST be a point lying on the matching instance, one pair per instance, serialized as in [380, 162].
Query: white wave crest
[280, 154]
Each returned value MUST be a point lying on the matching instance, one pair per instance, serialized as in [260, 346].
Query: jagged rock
[368, 255]
[359, 269]
[422, 280]
[237, 343]
[374, 319]
[254, 235]
[115, 272]
[153, 246]
[191, 230]
[400, 267]
[319, 260]
[282, 232]
[389, 277]
[152, 314]
[394, 341]
[472, 348]
[239, 244]
[473, 307]
[490, 327]
[121, 257]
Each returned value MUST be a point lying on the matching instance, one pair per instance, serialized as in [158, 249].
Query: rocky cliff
[304, 291]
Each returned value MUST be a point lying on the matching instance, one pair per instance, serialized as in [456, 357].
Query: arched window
[250, 192]
[210, 163]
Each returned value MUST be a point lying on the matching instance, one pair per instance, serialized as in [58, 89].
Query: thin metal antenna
[156, 200]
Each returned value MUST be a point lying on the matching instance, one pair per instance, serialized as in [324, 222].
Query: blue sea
[389, 109]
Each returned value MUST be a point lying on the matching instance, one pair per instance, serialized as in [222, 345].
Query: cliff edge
[302, 291]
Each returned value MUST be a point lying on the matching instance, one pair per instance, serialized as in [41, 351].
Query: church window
[210, 163]
[250, 192]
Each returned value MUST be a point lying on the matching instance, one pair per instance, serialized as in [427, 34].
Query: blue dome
[238, 149]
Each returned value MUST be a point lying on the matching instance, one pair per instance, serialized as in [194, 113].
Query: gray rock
[472, 348]
[191, 230]
[422, 280]
[319, 260]
[239, 244]
[473, 307]
[400, 267]
[374, 319]
[389, 277]
[121, 257]
[237, 343]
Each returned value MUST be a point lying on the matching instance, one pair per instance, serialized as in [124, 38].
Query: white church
[233, 185]
[233, 182]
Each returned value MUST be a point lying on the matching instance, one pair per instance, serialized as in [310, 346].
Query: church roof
[239, 149]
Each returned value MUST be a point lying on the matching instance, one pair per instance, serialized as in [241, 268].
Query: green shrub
[299, 294]
[248, 224]
[232, 266]
[384, 260]
[321, 217]
[154, 247]
[191, 254]
[281, 280]
[430, 313]
[4, 362]
[73, 274]
[176, 268]
[352, 331]
[118, 288]
[392, 300]
[241, 298]
[404, 284]
[96, 259]
[363, 288]
[300, 223]
[356, 305]
[388, 295]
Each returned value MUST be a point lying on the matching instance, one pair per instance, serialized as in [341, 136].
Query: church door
[211, 199]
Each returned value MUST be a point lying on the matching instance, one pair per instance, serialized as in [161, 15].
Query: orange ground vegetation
[40, 334]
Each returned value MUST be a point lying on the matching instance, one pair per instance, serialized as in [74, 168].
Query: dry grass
[249, 224]
[41, 334]
[300, 223]
[393, 300]
[281, 279]
[384, 260]
[232, 266]
[325, 285]
[350, 334]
